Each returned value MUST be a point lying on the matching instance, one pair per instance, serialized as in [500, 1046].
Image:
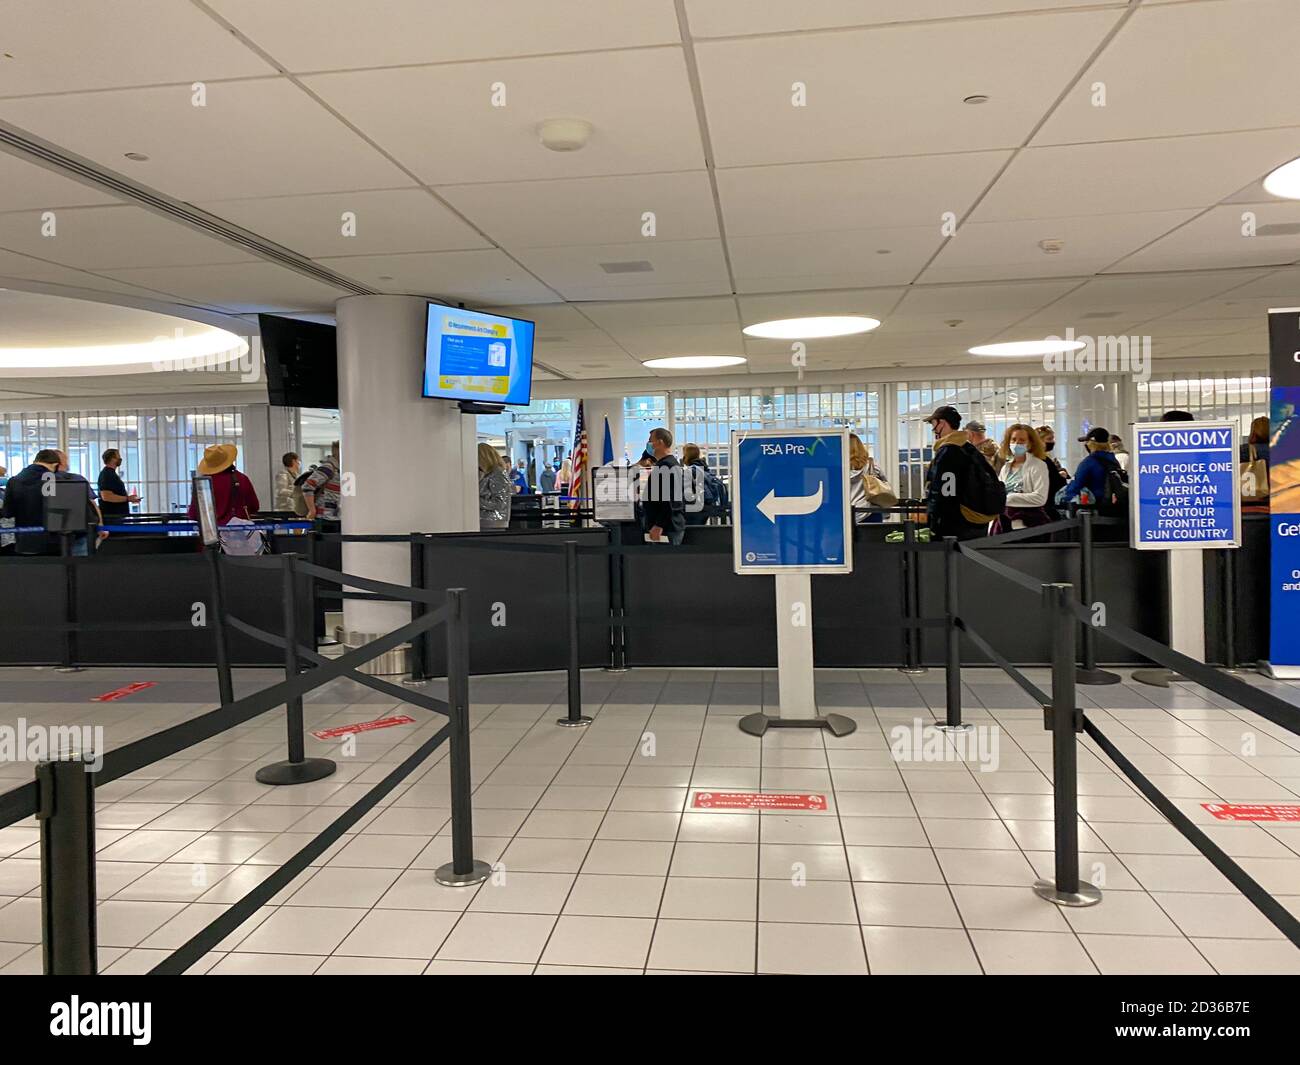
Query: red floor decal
[122, 693]
[1231, 811]
[757, 800]
[362, 726]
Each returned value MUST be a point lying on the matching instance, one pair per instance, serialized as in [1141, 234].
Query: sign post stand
[1184, 499]
[792, 519]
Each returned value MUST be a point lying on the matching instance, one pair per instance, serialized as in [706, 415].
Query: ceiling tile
[639, 104]
[605, 210]
[893, 91]
[386, 221]
[679, 268]
[649, 313]
[475, 277]
[1219, 239]
[243, 287]
[264, 137]
[334, 35]
[75, 45]
[846, 259]
[1167, 73]
[26, 186]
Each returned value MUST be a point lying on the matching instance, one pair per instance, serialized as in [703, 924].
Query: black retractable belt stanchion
[952, 649]
[1088, 673]
[225, 684]
[69, 663]
[298, 768]
[419, 660]
[1229, 563]
[575, 717]
[617, 634]
[66, 811]
[462, 870]
[911, 599]
[1064, 719]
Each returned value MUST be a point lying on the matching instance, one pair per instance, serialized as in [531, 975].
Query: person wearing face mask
[962, 494]
[1092, 480]
[1024, 473]
[1058, 476]
[663, 511]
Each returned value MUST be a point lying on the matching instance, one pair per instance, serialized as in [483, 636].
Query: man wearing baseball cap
[962, 494]
[1091, 479]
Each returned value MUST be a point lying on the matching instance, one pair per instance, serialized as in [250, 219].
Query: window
[22, 435]
[1206, 395]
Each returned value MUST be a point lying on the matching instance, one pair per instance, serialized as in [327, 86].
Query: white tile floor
[604, 866]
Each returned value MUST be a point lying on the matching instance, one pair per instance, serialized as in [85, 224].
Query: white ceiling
[762, 209]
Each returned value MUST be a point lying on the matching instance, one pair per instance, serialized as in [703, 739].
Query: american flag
[578, 486]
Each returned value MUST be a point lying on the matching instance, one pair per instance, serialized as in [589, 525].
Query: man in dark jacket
[1093, 473]
[664, 509]
[26, 497]
[947, 480]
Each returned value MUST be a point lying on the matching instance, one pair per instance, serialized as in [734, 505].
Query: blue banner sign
[1183, 486]
[791, 501]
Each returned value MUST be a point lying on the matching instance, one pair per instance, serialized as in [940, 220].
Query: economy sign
[1183, 490]
[791, 512]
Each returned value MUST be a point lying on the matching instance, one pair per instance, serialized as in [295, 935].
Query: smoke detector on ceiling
[1052, 246]
[564, 134]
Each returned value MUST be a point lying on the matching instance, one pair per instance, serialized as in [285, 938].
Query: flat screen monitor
[301, 362]
[477, 356]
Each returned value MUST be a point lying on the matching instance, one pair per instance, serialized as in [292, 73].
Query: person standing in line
[25, 499]
[564, 478]
[1120, 452]
[978, 435]
[1090, 484]
[519, 477]
[321, 491]
[493, 489]
[114, 500]
[291, 466]
[664, 509]
[961, 490]
[1024, 473]
[548, 478]
[1057, 475]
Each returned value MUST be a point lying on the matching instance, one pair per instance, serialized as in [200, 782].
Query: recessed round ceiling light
[1049, 346]
[978, 98]
[137, 157]
[812, 328]
[694, 362]
[206, 349]
[1285, 181]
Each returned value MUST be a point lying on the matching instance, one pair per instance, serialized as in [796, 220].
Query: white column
[410, 461]
[596, 411]
[794, 645]
[1187, 603]
[255, 457]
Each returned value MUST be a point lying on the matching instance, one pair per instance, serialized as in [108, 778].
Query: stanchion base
[1087, 895]
[411, 682]
[447, 876]
[963, 727]
[303, 772]
[1095, 676]
[570, 722]
[913, 671]
[835, 724]
[616, 669]
[1157, 678]
[67, 669]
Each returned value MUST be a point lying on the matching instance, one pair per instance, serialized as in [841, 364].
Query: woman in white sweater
[1026, 478]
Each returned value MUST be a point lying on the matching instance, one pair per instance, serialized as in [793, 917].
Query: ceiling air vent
[1278, 229]
[634, 266]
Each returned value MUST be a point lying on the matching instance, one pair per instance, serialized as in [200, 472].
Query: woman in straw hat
[233, 495]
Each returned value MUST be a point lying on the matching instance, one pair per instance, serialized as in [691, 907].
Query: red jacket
[233, 496]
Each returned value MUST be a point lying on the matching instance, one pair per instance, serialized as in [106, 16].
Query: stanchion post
[1065, 720]
[1088, 673]
[66, 796]
[462, 870]
[1229, 614]
[297, 768]
[419, 645]
[69, 663]
[911, 583]
[952, 646]
[617, 634]
[572, 597]
[225, 684]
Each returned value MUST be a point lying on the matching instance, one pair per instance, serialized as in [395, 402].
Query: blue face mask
[1018, 450]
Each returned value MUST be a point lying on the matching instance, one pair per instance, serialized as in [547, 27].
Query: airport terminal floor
[610, 858]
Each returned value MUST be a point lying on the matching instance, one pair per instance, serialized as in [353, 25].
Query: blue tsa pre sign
[791, 506]
[1183, 490]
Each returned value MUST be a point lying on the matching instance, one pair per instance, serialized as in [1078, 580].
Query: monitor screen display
[301, 364]
[479, 356]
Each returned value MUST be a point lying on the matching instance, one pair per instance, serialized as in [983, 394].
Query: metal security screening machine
[792, 519]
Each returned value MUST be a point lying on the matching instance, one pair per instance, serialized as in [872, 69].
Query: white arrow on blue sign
[791, 510]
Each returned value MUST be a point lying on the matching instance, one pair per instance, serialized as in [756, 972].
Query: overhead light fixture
[564, 134]
[694, 362]
[1028, 347]
[1285, 181]
[812, 328]
[208, 349]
